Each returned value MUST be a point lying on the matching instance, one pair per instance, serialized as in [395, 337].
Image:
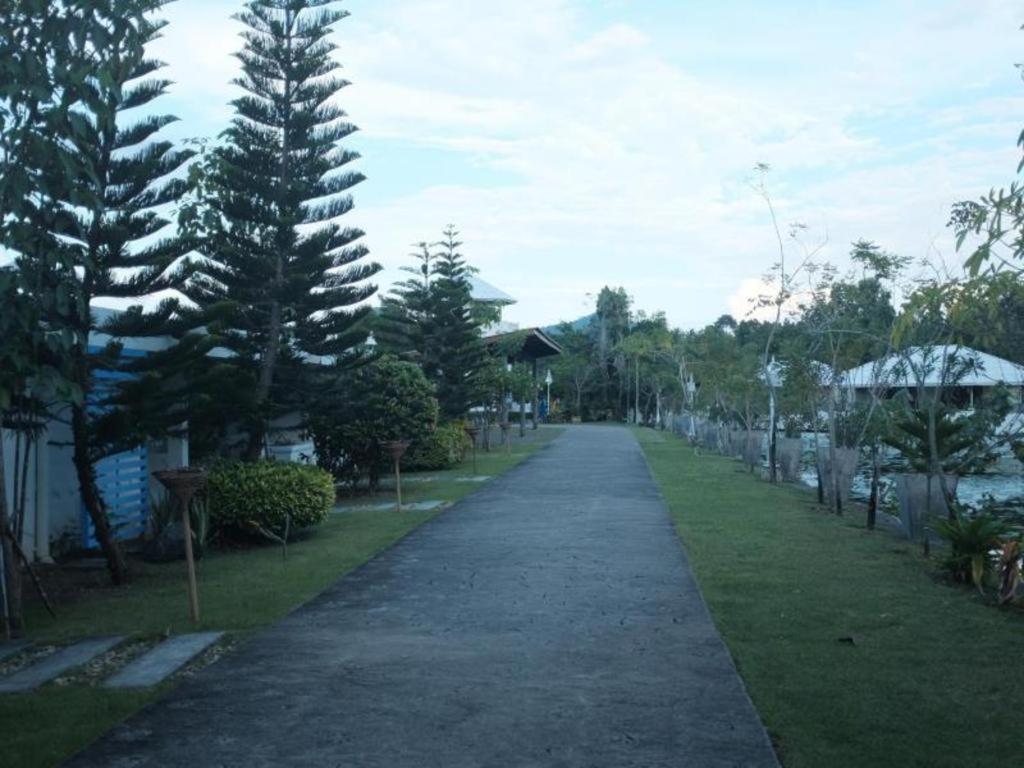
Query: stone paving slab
[389, 506]
[56, 664]
[163, 660]
[12, 647]
[548, 619]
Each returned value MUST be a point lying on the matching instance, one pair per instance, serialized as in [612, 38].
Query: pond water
[1004, 484]
[971, 490]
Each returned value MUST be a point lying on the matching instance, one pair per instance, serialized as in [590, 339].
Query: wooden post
[398, 449]
[472, 430]
[398, 483]
[183, 484]
[193, 588]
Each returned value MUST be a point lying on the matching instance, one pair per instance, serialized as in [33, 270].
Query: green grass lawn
[934, 676]
[240, 591]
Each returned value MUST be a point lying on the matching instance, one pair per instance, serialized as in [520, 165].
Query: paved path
[548, 620]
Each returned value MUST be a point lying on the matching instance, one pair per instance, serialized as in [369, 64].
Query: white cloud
[625, 146]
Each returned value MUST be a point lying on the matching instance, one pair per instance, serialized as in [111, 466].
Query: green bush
[385, 400]
[971, 542]
[443, 448]
[245, 498]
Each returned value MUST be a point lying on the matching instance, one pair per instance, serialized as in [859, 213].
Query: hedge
[245, 496]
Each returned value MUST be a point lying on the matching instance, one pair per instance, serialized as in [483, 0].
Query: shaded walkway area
[549, 619]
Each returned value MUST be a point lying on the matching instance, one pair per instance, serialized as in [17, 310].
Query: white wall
[28, 542]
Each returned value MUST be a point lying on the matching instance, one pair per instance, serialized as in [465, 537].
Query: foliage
[275, 496]
[282, 284]
[82, 196]
[963, 442]
[431, 319]
[574, 369]
[441, 448]
[165, 514]
[387, 399]
[972, 540]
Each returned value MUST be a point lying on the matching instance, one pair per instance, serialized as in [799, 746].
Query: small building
[965, 375]
[525, 346]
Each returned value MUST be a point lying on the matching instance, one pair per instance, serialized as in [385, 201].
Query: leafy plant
[1009, 570]
[959, 439]
[384, 400]
[443, 448]
[268, 497]
[971, 540]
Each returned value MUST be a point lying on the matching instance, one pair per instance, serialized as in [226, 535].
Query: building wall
[10, 451]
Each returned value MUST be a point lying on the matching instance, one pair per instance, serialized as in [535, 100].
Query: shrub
[443, 448]
[971, 541]
[268, 495]
[384, 400]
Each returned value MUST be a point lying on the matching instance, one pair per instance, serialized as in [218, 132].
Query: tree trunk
[636, 393]
[258, 432]
[876, 461]
[536, 396]
[772, 448]
[91, 498]
[833, 479]
[10, 604]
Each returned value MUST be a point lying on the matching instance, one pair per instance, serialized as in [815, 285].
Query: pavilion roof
[937, 365]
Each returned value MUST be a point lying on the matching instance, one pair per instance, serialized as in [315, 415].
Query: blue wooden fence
[123, 480]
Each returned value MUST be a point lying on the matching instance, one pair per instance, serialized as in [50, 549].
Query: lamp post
[548, 380]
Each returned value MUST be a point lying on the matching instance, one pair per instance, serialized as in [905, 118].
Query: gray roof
[485, 292]
[929, 366]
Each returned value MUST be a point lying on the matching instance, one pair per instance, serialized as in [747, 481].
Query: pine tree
[282, 280]
[431, 319]
[459, 349]
[404, 326]
[108, 228]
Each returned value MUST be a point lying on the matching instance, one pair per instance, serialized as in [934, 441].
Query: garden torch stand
[398, 449]
[473, 431]
[183, 484]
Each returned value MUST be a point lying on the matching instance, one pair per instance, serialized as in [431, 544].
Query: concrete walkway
[550, 619]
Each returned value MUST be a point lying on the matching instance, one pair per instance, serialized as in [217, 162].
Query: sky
[578, 144]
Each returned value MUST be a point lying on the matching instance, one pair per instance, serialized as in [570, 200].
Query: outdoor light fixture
[473, 430]
[398, 449]
[183, 484]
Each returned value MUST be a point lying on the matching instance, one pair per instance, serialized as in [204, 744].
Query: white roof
[929, 366]
[483, 291]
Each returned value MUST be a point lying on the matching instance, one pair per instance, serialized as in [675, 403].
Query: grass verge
[853, 651]
[240, 591]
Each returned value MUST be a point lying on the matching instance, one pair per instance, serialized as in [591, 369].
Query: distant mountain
[580, 324]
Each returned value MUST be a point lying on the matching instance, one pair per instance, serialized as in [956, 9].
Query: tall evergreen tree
[404, 326]
[122, 248]
[282, 279]
[91, 227]
[459, 347]
[431, 319]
